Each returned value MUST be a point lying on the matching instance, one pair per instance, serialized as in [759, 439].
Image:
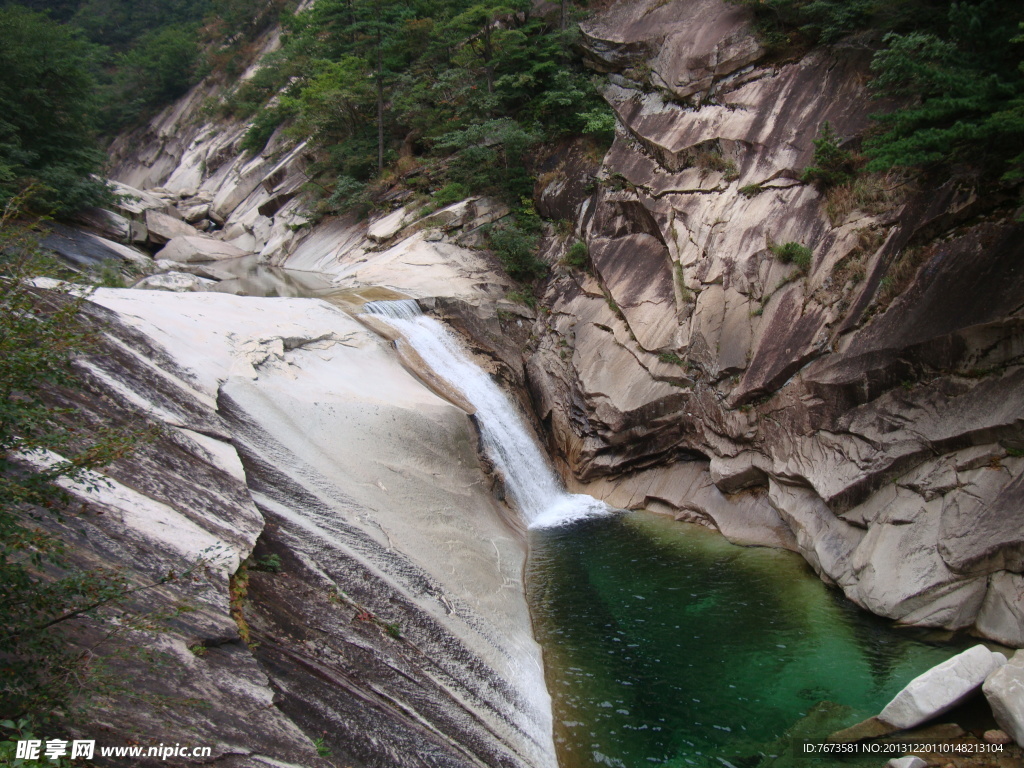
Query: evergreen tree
[48, 104]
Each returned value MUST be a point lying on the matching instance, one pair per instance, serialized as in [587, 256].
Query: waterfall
[529, 479]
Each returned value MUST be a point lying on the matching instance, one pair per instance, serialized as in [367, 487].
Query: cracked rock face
[867, 409]
[288, 428]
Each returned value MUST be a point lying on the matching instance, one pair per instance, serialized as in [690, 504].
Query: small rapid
[529, 478]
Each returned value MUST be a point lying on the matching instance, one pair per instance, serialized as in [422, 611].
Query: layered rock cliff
[866, 412]
[346, 592]
[864, 409]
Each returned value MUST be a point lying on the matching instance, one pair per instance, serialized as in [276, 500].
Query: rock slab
[1004, 690]
[908, 761]
[942, 687]
[188, 249]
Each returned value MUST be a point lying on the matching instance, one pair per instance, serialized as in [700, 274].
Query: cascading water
[529, 479]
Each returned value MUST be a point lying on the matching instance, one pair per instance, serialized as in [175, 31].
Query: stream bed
[665, 645]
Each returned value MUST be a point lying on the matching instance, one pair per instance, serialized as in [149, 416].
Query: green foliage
[517, 248]
[489, 157]
[21, 730]
[968, 105]
[522, 297]
[600, 123]
[47, 108]
[266, 564]
[321, 747]
[120, 24]
[160, 67]
[832, 165]
[335, 102]
[577, 256]
[784, 22]
[751, 190]
[349, 194]
[956, 66]
[40, 444]
[451, 192]
[473, 86]
[109, 275]
[262, 128]
[793, 253]
[250, 96]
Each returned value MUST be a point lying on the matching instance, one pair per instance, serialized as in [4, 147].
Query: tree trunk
[380, 102]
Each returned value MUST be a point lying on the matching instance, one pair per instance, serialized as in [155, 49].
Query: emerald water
[666, 645]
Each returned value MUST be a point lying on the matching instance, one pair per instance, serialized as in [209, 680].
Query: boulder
[162, 227]
[195, 212]
[205, 269]
[1004, 690]
[942, 687]
[192, 248]
[995, 736]
[134, 202]
[387, 227]
[108, 224]
[179, 282]
[907, 761]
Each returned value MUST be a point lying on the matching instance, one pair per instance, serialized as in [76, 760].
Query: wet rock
[995, 736]
[942, 687]
[1004, 689]
[872, 728]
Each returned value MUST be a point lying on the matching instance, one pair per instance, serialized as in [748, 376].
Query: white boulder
[179, 282]
[387, 227]
[941, 688]
[1004, 690]
[162, 227]
[188, 249]
[907, 761]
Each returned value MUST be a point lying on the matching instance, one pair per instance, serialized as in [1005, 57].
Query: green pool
[665, 645]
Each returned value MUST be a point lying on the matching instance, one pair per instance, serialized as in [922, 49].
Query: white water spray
[529, 479]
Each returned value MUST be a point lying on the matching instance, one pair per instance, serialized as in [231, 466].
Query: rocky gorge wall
[865, 411]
